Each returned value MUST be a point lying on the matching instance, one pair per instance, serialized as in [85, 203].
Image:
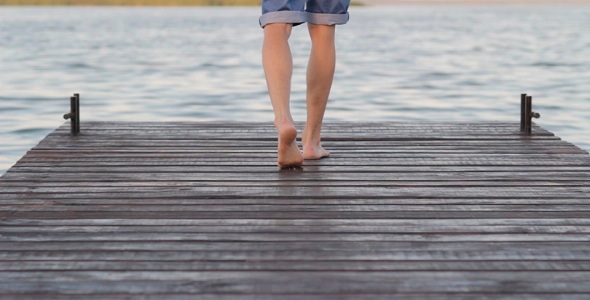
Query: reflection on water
[414, 63]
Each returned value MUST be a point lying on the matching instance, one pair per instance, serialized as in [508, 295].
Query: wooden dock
[400, 210]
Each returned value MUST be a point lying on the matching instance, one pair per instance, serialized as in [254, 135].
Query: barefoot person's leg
[320, 73]
[322, 17]
[278, 67]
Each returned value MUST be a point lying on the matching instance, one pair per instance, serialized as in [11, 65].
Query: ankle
[283, 122]
[309, 140]
[311, 137]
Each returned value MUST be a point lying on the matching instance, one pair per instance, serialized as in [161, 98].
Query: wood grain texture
[179, 210]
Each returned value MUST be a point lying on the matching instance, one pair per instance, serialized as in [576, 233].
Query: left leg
[278, 66]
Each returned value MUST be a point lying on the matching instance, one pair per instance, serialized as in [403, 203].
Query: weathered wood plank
[245, 246]
[318, 296]
[96, 187]
[378, 143]
[288, 215]
[362, 208]
[296, 282]
[299, 255]
[286, 191]
[240, 125]
[293, 222]
[308, 168]
[14, 178]
[255, 132]
[41, 201]
[358, 161]
[505, 182]
[278, 265]
[281, 237]
[361, 166]
[301, 229]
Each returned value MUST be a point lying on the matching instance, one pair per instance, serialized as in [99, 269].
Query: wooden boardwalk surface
[400, 210]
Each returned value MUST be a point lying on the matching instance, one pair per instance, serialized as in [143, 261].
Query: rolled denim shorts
[321, 12]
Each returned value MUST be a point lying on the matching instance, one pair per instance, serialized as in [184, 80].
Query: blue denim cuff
[327, 19]
[289, 17]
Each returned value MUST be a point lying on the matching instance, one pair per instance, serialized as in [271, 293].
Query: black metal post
[77, 96]
[522, 111]
[74, 114]
[527, 115]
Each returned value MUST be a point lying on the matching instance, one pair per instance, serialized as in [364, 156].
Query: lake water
[399, 63]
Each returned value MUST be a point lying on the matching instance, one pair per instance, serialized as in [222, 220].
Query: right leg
[320, 72]
[278, 68]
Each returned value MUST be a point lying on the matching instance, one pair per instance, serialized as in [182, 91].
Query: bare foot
[289, 154]
[312, 148]
[311, 151]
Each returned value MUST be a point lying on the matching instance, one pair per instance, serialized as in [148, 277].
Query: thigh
[282, 5]
[327, 12]
[283, 11]
[336, 7]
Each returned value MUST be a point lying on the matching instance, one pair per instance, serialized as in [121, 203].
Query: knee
[321, 32]
[278, 30]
